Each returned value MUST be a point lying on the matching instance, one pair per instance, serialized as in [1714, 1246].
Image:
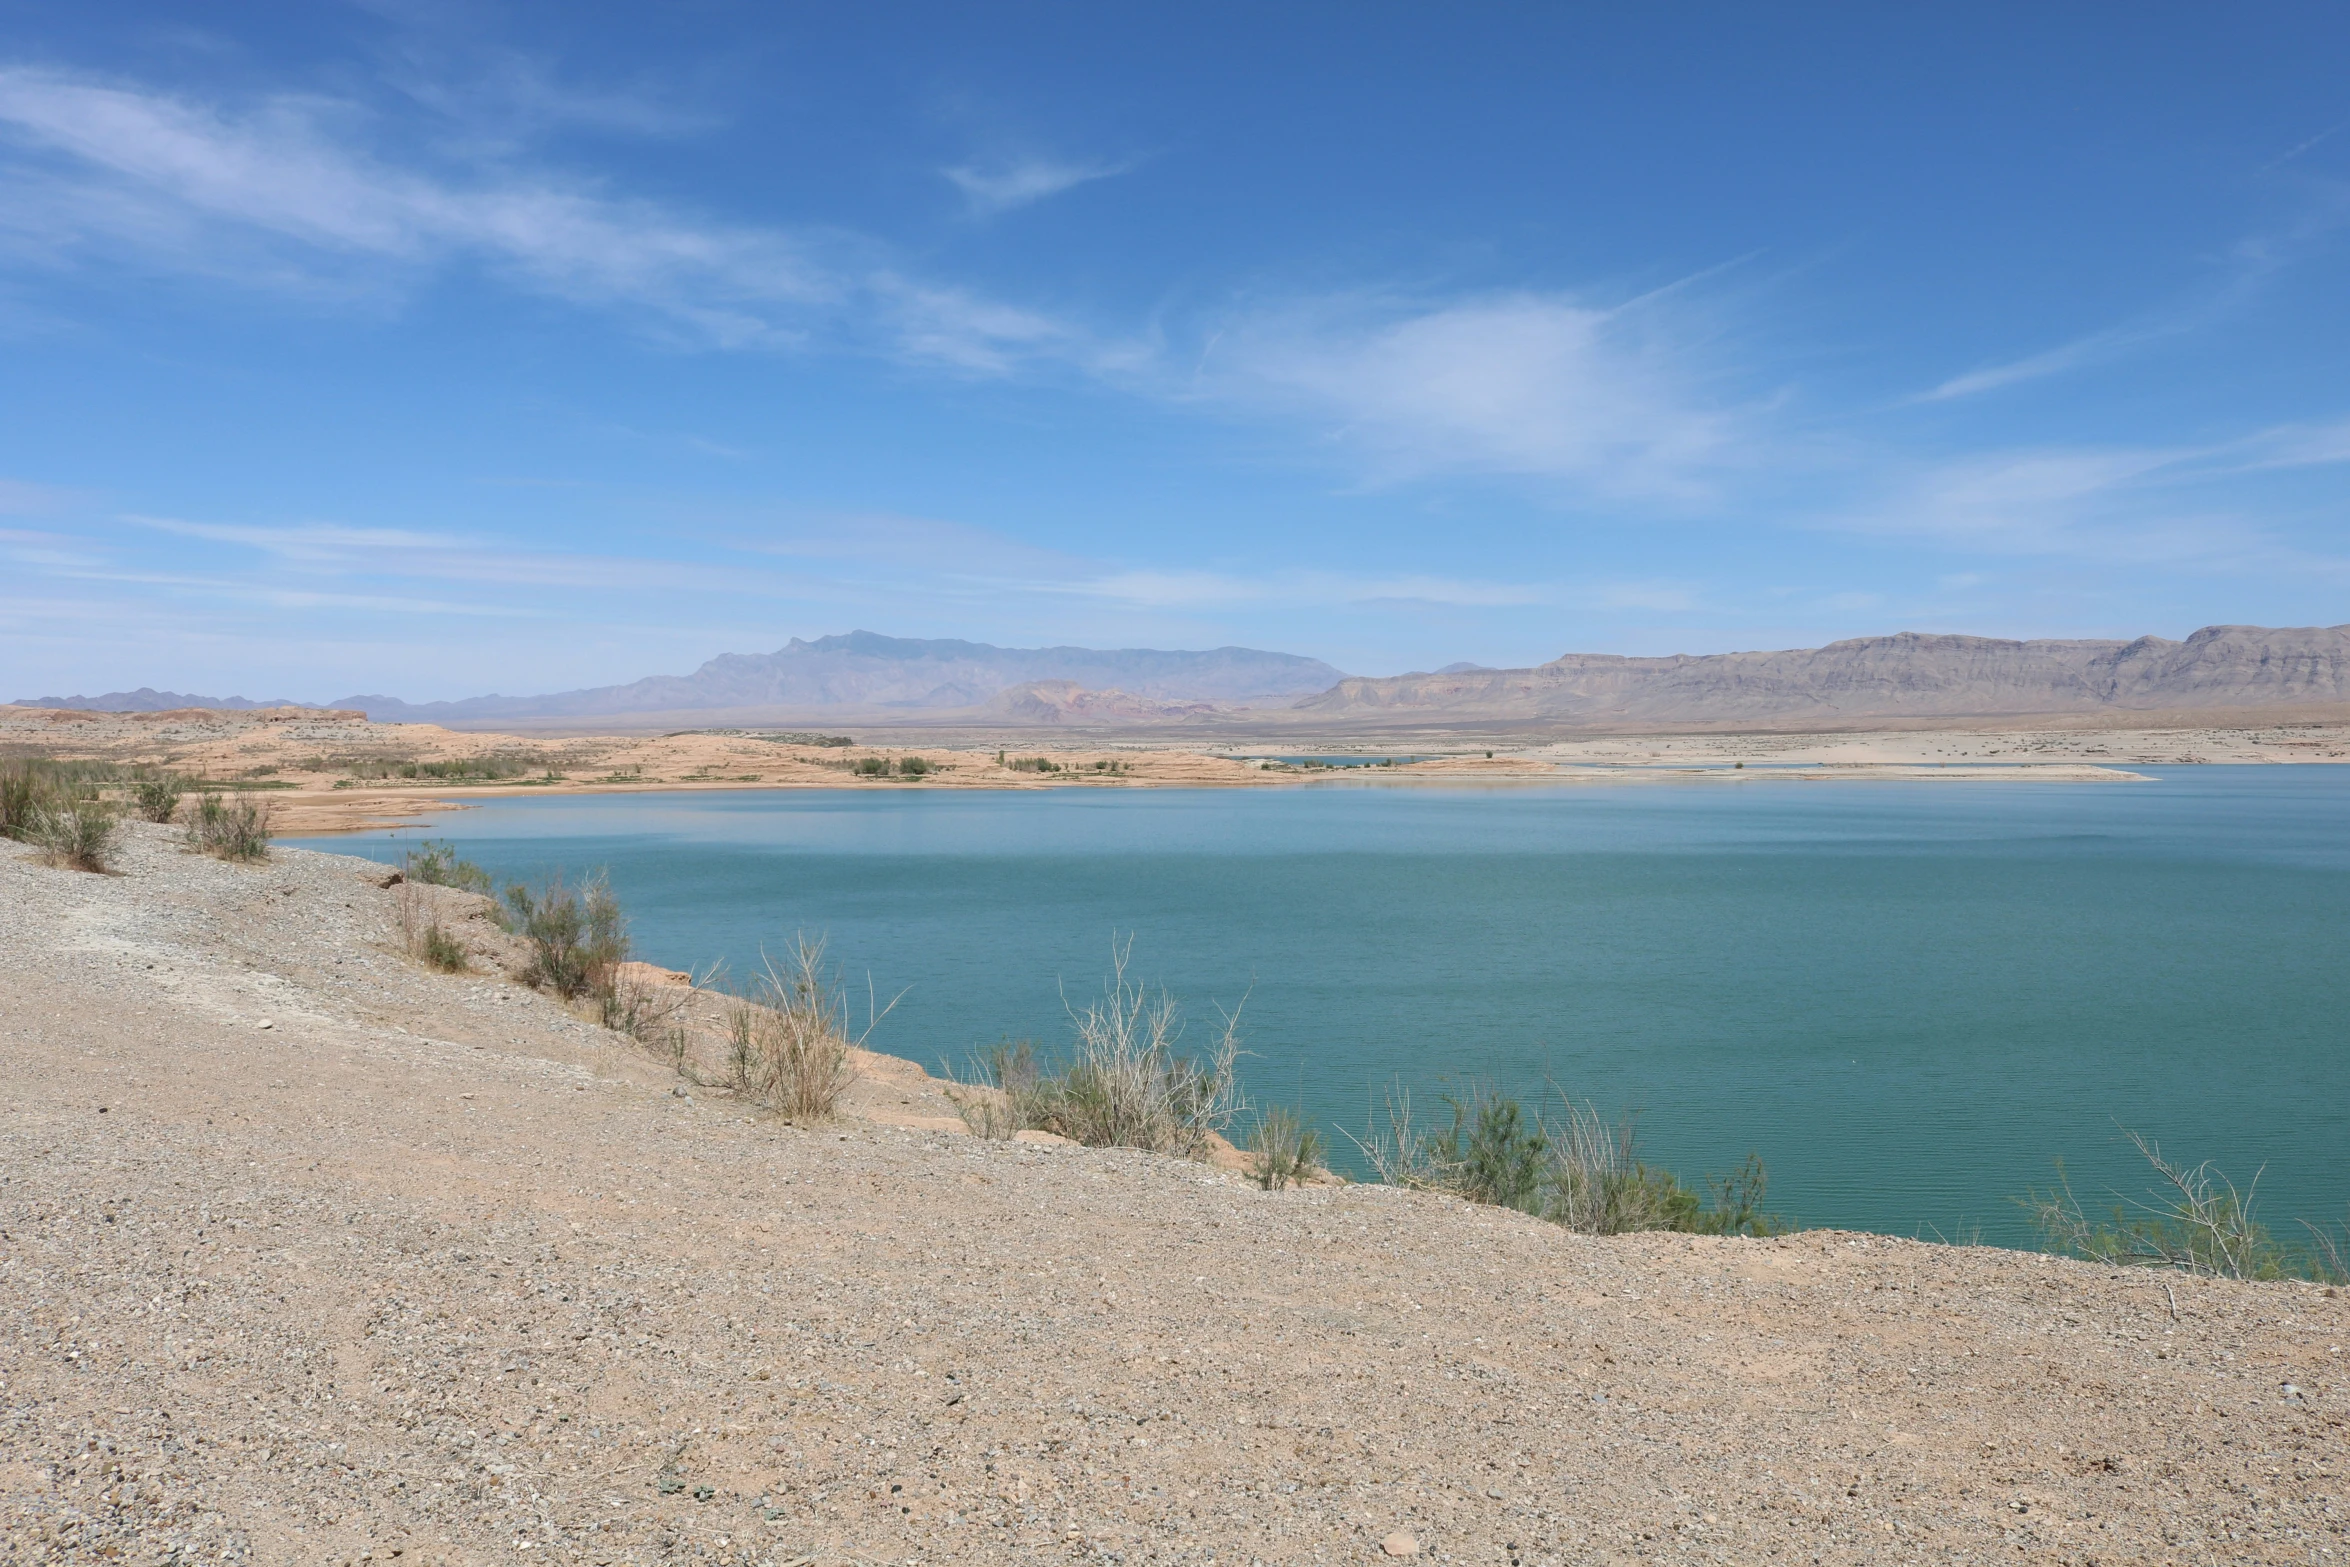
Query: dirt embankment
[309, 1255]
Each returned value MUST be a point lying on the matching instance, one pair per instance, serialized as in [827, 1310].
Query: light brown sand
[307, 757]
[310, 1256]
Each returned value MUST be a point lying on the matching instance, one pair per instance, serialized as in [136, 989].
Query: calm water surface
[1909, 998]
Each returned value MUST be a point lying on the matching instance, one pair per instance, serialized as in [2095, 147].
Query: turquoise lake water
[1909, 998]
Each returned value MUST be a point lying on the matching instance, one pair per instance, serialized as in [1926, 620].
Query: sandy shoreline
[325, 772]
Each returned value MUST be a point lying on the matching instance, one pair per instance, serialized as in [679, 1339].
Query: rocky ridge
[1906, 676]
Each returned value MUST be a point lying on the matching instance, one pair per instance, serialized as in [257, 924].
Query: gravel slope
[308, 1255]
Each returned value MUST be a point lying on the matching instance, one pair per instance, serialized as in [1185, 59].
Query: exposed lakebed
[1909, 998]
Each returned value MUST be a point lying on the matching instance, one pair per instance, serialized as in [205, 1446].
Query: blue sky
[441, 349]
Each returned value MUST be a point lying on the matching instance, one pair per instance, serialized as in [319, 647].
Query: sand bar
[326, 771]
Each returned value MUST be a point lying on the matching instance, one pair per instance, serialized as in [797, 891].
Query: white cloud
[2248, 265]
[1617, 400]
[1003, 186]
[2295, 446]
[290, 190]
[2124, 506]
[2055, 361]
[323, 542]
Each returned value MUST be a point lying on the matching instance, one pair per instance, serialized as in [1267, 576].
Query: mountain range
[147, 700]
[1905, 676]
[1909, 676]
[861, 670]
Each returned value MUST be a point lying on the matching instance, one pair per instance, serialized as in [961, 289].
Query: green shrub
[1492, 1155]
[437, 865]
[1283, 1150]
[76, 830]
[872, 767]
[25, 792]
[1033, 764]
[492, 768]
[577, 935]
[156, 797]
[1583, 1172]
[230, 832]
[441, 950]
[916, 766]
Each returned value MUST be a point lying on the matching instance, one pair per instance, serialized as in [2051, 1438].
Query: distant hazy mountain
[148, 700]
[1905, 676]
[1067, 702]
[865, 670]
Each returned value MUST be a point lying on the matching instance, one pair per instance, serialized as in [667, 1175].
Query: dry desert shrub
[2329, 1252]
[421, 931]
[653, 1014]
[1283, 1150]
[438, 865]
[2198, 1222]
[1000, 1099]
[788, 1040]
[156, 797]
[237, 832]
[1582, 1172]
[576, 934]
[76, 830]
[1125, 1084]
[56, 807]
[25, 793]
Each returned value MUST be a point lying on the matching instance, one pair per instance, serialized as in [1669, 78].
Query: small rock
[1044, 1139]
[266, 1023]
[1400, 1544]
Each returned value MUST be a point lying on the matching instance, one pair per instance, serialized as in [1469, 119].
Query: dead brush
[652, 1014]
[1001, 1097]
[422, 935]
[1125, 1083]
[2198, 1223]
[788, 1040]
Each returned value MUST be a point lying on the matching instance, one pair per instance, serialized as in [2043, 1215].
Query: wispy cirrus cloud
[321, 193]
[991, 188]
[2150, 505]
[2238, 276]
[2055, 361]
[304, 184]
[1622, 400]
[392, 554]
